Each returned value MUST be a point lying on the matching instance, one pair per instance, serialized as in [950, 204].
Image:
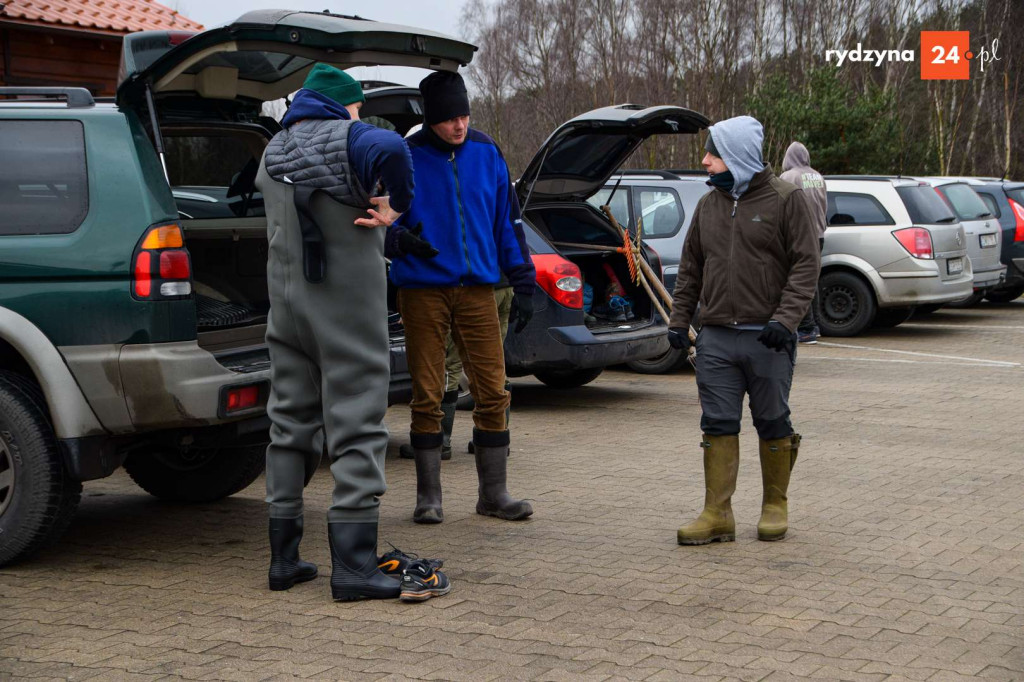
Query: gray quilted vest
[314, 154]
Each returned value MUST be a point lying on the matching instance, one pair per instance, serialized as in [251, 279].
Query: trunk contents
[611, 301]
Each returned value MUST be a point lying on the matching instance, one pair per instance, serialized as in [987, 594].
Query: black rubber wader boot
[491, 451]
[354, 572]
[286, 568]
[721, 466]
[777, 459]
[427, 449]
[448, 407]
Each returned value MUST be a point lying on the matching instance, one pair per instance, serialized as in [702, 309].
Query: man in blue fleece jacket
[327, 325]
[466, 205]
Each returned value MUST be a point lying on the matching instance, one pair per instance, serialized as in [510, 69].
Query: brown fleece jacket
[750, 260]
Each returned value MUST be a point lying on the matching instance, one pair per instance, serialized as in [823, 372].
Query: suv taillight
[916, 240]
[161, 268]
[560, 279]
[1018, 213]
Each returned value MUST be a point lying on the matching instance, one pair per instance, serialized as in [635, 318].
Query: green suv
[133, 294]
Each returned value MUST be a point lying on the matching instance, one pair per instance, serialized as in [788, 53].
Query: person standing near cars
[327, 325]
[453, 369]
[466, 204]
[796, 169]
[751, 260]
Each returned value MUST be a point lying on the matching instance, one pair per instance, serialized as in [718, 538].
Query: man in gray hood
[796, 168]
[751, 259]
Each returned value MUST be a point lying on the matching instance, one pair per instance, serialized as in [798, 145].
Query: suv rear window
[212, 171]
[848, 208]
[965, 201]
[924, 205]
[619, 205]
[44, 183]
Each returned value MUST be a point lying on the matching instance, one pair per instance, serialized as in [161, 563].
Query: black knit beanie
[444, 97]
[709, 146]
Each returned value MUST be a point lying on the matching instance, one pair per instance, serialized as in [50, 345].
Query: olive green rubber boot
[777, 459]
[721, 465]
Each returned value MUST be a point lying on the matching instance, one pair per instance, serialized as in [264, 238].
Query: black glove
[410, 243]
[521, 311]
[679, 338]
[776, 336]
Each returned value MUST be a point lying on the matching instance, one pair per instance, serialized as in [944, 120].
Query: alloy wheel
[6, 477]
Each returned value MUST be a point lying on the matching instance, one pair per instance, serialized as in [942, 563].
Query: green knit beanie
[332, 82]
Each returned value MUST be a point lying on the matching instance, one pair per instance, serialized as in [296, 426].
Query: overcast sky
[437, 15]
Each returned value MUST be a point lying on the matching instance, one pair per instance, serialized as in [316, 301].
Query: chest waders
[330, 369]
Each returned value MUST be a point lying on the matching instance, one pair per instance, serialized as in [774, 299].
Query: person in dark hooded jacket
[796, 169]
[751, 259]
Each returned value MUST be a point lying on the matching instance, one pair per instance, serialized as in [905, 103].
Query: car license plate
[988, 240]
[955, 266]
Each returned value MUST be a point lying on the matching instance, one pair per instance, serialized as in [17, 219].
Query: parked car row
[895, 246]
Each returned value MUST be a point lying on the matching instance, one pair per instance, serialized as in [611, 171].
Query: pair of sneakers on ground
[421, 578]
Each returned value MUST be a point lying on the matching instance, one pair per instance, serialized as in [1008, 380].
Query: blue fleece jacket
[468, 207]
[373, 153]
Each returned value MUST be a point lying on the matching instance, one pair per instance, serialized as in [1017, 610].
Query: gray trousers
[330, 364]
[731, 363]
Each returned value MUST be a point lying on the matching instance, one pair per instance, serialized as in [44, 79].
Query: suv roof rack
[689, 171]
[77, 98]
[879, 178]
[663, 174]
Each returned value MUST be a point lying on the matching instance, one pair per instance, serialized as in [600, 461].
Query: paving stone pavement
[903, 562]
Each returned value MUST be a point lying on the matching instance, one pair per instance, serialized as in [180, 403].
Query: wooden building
[75, 42]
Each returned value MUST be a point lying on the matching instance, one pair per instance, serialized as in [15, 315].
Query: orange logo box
[946, 55]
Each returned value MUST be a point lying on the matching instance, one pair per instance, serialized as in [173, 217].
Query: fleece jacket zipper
[462, 216]
[732, 251]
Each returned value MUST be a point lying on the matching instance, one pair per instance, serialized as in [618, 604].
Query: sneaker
[421, 581]
[810, 338]
[394, 563]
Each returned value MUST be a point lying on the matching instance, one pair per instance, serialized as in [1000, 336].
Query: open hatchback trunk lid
[266, 54]
[579, 157]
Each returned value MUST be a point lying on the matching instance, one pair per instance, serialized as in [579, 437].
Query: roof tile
[109, 16]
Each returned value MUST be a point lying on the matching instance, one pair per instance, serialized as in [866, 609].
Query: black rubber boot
[286, 568]
[491, 450]
[427, 447]
[354, 572]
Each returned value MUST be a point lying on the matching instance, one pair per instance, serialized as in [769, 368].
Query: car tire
[568, 378]
[1005, 295]
[671, 359]
[196, 474]
[968, 301]
[887, 318]
[847, 304]
[37, 498]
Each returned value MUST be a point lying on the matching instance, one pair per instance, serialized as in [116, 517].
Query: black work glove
[776, 336]
[521, 311]
[410, 243]
[679, 338]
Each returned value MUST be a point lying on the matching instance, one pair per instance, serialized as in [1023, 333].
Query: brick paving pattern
[903, 562]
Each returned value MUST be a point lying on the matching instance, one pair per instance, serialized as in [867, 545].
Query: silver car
[984, 235]
[891, 244]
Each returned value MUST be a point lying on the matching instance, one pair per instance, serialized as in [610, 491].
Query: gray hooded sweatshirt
[738, 141]
[796, 169]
